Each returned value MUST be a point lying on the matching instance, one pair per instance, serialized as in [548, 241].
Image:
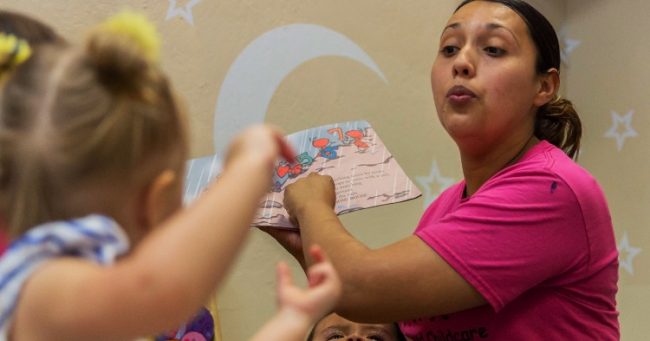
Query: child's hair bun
[122, 49]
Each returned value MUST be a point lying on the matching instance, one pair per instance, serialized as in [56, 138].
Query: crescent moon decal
[257, 72]
[253, 79]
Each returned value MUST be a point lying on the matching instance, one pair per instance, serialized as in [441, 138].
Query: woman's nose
[464, 64]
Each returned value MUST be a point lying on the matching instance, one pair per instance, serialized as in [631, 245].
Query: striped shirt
[96, 238]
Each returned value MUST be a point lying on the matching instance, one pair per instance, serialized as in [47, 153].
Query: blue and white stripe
[95, 238]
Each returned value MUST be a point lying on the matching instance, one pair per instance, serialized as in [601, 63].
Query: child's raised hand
[322, 294]
[262, 143]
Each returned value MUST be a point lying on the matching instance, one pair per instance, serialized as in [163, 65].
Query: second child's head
[335, 327]
[92, 130]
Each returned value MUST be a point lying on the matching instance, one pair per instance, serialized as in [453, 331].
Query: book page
[364, 171]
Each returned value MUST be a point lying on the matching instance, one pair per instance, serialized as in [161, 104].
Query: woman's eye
[495, 51]
[448, 50]
[334, 337]
[376, 338]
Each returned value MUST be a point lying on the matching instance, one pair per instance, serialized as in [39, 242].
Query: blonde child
[93, 143]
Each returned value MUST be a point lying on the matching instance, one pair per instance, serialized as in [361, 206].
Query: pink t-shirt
[536, 240]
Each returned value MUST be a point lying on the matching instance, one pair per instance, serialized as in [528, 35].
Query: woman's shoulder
[555, 162]
[547, 168]
[94, 238]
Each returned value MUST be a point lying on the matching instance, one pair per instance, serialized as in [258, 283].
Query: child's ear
[549, 85]
[157, 199]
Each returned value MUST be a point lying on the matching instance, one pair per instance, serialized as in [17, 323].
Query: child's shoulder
[94, 238]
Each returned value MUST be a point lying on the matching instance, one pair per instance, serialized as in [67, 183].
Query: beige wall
[606, 73]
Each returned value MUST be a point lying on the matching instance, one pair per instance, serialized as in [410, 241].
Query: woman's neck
[478, 168]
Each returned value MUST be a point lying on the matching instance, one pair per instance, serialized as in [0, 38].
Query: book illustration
[364, 172]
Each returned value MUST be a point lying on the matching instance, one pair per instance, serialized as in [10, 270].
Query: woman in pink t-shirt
[521, 249]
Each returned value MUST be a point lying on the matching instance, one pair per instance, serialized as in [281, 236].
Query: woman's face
[334, 327]
[483, 79]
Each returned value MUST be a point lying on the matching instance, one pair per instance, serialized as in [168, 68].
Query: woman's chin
[460, 125]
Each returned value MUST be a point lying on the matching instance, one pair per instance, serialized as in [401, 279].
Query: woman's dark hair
[556, 121]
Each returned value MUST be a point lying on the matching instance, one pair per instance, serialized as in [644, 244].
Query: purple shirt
[536, 241]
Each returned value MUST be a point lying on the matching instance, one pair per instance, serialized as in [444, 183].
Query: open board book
[364, 171]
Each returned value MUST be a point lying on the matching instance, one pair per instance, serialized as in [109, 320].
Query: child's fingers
[320, 273]
[283, 274]
[286, 151]
[316, 278]
[317, 253]
[322, 268]
[328, 290]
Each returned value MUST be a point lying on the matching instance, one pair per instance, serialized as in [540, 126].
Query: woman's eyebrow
[489, 26]
[450, 26]
[495, 26]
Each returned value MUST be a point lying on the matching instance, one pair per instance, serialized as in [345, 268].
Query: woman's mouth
[459, 95]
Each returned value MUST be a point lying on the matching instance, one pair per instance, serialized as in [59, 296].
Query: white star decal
[614, 131]
[184, 11]
[626, 254]
[567, 46]
[434, 184]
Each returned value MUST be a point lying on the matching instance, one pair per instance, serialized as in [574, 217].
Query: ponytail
[124, 52]
[558, 123]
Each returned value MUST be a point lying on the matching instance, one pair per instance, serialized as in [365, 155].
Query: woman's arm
[405, 280]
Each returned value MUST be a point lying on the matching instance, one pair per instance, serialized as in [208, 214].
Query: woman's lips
[460, 95]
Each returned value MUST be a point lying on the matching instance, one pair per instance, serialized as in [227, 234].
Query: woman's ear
[549, 85]
[158, 200]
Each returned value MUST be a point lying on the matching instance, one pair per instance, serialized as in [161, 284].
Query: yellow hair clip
[139, 29]
[13, 51]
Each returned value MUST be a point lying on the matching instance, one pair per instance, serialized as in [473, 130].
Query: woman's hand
[314, 190]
